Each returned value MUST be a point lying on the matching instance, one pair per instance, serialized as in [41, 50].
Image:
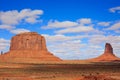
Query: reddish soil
[91, 71]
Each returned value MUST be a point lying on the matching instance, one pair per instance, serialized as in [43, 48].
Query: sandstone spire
[28, 47]
[108, 54]
[108, 48]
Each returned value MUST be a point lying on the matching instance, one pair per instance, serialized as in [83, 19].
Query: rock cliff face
[28, 47]
[108, 48]
[108, 54]
[28, 41]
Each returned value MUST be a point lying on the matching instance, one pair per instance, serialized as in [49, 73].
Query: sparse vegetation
[92, 71]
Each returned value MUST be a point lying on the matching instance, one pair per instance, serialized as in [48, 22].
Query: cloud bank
[10, 19]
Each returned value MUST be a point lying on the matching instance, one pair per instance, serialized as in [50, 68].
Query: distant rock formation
[108, 48]
[108, 54]
[28, 47]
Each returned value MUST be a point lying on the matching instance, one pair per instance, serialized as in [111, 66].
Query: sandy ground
[55, 71]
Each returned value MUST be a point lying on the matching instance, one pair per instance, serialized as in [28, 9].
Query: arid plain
[61, 71]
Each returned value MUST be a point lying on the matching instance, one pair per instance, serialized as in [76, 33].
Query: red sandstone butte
[28, 47]
[108, 54]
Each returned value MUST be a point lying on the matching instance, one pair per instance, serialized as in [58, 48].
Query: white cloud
[114, 9]
[7, 27]
[84, 21]
[104, 23]
[57, 38]
[77, 29]
[66, 24]
[3, 44]
[115, 26]
[31, 20]
[98, 39]
[9, 17]
[14, 17]
[82, 25]
[57, 24]
[62, 38]
[17, 31]
[9, 20]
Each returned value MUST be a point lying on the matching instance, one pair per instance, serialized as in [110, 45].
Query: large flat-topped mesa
[28, 47]
[28, 41]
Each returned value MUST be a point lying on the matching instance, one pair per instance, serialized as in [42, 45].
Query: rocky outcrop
[108, 48]
[28, 47]
[108, 54]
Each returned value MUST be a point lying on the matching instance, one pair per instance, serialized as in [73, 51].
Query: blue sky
[74, 29]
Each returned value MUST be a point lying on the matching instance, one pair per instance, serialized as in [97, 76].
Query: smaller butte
[108, 55]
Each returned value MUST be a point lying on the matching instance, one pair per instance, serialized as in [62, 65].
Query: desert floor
[49, 71]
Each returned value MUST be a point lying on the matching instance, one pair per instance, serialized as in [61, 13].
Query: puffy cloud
[77, 29]
[57, 24]
[10, 19]
[115, 26]
[17, 31]
[103, 39]
[57, 38]
[66, 24]
[84, 21]
[4, 44]
[14, 17]
[7, 27]
[98, 39]
[104, 23]
[114, 9]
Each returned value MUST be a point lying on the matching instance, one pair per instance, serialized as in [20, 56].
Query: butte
[108, 55]
[29, 47]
